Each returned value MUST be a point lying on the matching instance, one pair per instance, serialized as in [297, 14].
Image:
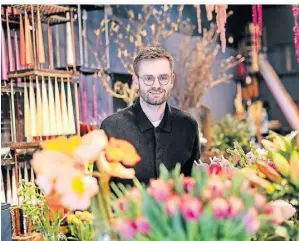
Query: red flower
[215, 168]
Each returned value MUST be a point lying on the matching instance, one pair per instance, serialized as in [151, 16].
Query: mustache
[157, 90]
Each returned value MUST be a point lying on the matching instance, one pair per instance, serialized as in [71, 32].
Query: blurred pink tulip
[251, 221]
[220, 208]
[191, 207]
[142, 224]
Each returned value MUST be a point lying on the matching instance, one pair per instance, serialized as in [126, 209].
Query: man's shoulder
[183, 116]
[122, 115]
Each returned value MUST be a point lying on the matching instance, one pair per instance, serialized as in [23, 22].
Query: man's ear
[173, 78]
[135, 81]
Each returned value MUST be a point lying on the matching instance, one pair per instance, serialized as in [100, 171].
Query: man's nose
[156, 83]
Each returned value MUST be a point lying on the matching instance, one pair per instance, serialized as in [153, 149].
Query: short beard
[146, 97]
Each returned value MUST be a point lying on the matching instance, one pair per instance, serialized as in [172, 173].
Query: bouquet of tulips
[212, 204]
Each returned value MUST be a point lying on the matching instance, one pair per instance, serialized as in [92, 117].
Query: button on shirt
[174, 140]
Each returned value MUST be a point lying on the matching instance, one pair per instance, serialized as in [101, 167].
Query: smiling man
[159, 132]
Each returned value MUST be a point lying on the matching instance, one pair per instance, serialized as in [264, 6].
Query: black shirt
[174, 140]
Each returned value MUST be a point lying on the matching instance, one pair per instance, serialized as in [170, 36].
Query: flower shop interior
[66, 68]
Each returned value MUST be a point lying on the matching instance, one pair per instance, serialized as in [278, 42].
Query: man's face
[150, 72]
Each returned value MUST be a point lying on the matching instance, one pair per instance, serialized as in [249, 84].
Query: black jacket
[174, 140]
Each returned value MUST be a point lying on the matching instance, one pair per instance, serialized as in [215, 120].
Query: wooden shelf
[52, 13]
[62, 74]
[31, 237]
[24, 145]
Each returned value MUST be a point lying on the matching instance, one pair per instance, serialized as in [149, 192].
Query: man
[159, 132]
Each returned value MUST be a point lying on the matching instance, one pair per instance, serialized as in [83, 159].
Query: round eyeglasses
[150, 79]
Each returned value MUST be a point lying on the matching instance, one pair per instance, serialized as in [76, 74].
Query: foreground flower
[235, 206]
[121, 151]
[259, 201]
[134, 194]
[45, 183]
[62, 144]
[275, 213]
[269, 171]
[121, 203]
[191, 208]
[51, 164]
[142, 224]
[188, 183]
[172, 205]
[251, 221]
[159, 189]
[90, 146]
[126, 227]
[114, 169]
[76, 190]
[220, 208]
[286, 208]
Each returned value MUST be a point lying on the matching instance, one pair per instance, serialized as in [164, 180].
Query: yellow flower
[62, 144]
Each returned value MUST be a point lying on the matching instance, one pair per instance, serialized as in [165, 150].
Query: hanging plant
[220, 20]
[257, 20]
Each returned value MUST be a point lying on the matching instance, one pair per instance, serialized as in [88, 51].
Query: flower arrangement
[80, 225]
[275, 168]
[278, 163]
[205, 206]
[228, 130]
[62, 174]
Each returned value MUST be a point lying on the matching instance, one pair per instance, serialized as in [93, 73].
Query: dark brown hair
[152, 53]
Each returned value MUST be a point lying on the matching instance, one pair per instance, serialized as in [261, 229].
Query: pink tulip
[206, 194]
[220, 208]
[188, 183]
[191, 207]
[134, 194]
[126, 227]
[172, 205]
[160, 189]
[251, 221]
[122, 203]
[235, 206]
[216, 186]
[142, 224]
[259, 200]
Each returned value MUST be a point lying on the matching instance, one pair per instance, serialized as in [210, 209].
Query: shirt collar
[144, 123]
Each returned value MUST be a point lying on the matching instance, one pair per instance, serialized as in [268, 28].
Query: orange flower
[268, 171]
[114, 169]
[121, 151]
